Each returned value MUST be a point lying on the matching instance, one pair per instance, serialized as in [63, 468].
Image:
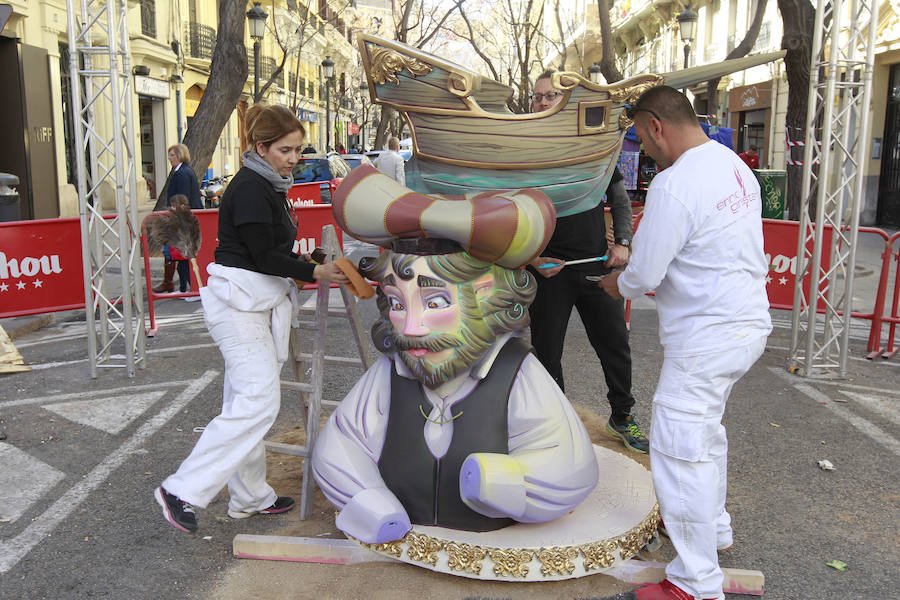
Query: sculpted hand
[550, 271]
[618, 256]
[493, 485]
[330, 272]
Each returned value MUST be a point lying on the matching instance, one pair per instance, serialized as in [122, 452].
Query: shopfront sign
[750, 97]
[307, 115]
[155, 88]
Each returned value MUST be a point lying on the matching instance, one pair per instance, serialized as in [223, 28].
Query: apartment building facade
[171, 48]
[754, 102]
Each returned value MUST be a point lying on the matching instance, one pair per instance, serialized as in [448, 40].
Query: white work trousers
[231, 448]
[689, 457]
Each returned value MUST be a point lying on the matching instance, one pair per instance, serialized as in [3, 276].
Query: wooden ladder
[310, 387]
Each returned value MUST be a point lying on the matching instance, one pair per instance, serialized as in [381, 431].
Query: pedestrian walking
[247, 304]
[391, 163]
[700, 247]
[181, 181]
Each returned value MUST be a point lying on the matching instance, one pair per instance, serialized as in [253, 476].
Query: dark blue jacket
[184, 181]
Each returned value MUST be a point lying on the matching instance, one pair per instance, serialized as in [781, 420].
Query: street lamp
[363, 90]
[328, 73]
[177, 80]
[687, 23]
[256, 16]
[595, 72]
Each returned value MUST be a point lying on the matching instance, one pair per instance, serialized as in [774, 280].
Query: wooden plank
[347, 552]
[737, 581]
[302, 549]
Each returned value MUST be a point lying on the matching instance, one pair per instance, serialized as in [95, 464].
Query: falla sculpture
[456, 451]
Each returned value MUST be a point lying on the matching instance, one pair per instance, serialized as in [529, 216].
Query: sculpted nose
[414, 325]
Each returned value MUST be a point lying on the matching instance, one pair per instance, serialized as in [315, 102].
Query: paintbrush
[574, 262]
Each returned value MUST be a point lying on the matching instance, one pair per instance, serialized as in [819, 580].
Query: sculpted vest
[428, 487]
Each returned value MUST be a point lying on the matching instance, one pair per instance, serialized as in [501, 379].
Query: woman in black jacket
[247, 304]
[182, 180]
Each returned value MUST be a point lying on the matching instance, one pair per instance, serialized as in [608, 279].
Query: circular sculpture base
[611, 525]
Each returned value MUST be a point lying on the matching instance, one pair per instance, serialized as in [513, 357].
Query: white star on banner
[37, 283]
[768, 279]
[21, 285]
[3, 287]
[782, 280]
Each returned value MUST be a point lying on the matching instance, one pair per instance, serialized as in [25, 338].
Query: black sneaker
[176, 511]
[629, 433]
[281, 504]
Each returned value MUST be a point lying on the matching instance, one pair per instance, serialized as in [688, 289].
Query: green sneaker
[629, 433]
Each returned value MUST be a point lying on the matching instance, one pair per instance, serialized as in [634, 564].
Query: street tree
[227, 76]
[416, 23]
[608, 67]
[739, 51]
[508, 36]
[799, 17]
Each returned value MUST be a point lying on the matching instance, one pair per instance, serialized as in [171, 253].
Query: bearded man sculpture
[458, 424]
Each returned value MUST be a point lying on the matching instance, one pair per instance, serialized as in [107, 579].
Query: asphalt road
[81, 458]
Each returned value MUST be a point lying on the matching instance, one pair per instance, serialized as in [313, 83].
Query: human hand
[330, 272]
[549, 271]
[609, 284]
[617, 256]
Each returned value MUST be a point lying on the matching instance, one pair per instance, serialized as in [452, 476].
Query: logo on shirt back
[736, 200]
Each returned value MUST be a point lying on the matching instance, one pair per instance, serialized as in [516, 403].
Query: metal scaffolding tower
[833, 167]
[104, 135]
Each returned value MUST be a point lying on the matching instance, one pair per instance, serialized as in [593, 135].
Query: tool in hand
[574, 262]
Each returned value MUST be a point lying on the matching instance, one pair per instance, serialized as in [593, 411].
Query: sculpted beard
[468, 348]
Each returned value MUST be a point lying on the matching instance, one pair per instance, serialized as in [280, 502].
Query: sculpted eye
[396, 304]
[437, 302]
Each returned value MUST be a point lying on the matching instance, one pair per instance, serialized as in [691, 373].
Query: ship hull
[572, 188]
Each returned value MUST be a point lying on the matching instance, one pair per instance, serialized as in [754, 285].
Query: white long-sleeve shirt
[391, 164]
[700, 247]
[546, 437]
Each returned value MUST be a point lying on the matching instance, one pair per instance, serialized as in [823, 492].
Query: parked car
[354, 160]
[329, 168]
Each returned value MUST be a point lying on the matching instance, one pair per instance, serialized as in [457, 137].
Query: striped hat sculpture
[508, 228]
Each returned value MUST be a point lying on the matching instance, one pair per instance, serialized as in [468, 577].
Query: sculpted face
[430, 326]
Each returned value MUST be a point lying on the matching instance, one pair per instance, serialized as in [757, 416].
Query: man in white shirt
[391, 163]
[700, 247]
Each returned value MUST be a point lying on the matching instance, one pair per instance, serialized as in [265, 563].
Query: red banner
[40, 267]
[780, 244]
[305, 194]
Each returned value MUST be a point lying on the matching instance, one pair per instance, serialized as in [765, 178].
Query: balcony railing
[267, 67]
[201, 41]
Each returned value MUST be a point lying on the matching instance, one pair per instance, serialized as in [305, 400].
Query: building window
[148, 18]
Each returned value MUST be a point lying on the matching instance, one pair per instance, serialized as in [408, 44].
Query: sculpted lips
[419, 352]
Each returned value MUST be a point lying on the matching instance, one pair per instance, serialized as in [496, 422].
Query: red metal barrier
[878, 317]
[40, 267]
[309, 234]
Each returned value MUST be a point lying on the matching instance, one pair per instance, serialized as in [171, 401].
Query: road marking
[92, 393]
[865, 426]
[14, 549]
[883, 405]
[111, 414]
[41, 366]
[23, 480]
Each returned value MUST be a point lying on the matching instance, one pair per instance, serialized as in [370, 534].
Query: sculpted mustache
[433, 343]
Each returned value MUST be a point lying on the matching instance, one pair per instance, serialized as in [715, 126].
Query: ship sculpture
[465, 138]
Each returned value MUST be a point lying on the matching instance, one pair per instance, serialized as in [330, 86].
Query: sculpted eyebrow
[426, 281]
[389, 280]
